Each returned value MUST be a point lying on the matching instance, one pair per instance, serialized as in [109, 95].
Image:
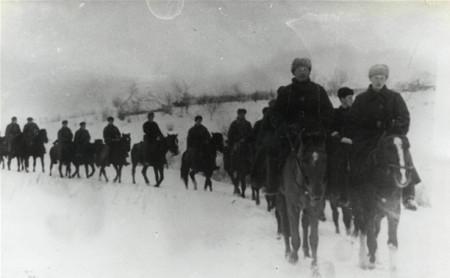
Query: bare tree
[236, 89]
[337, 79]
[181, 88]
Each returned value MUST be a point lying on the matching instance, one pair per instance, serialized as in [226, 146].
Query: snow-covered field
[53, 227]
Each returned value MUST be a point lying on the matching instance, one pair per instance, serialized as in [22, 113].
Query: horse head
[172, 143]
[125, 141]
[217, 141]
[312, 160]
[42, 135]
[392, 155]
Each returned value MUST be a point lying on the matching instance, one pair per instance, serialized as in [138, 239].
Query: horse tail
[184, 171]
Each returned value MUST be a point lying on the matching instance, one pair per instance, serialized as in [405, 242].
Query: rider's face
[347, 101]
[302, 73]
[378, 81]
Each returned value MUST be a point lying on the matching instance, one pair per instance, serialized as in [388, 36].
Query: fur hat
[379, 69]
[241, 111]
[29, 119]
[110, 119]
[344, 91]
[14, 118]
[64, 122]
[82, 123]
[198, 117]
[300, 62]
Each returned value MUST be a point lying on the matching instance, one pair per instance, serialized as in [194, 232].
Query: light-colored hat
[301, 62]
[379, 69]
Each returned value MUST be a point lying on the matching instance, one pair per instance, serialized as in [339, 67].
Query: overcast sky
[55, 53]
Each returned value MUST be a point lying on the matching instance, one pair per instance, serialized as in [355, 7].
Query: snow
[54, 227]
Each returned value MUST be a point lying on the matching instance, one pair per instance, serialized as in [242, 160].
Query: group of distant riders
[351, 131]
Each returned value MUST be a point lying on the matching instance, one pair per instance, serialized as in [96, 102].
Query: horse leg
[208, 183]
[284, 221]
[120, 173]
[192, 175]
[155, 170]
[314, 234]
[144, 173]
[161, 175]
[93, 170]
[133, 172]
[279, 225]
[104, 173]
[256, 192]
[305, 228]
[393, 221]
[60, 169]
[372, 244]
[34, 164]
[9, 163]
[293, 211]
[347, 217]
[117, 172]
[243, 184]
[363, 250]
[335, 211]
[42, 163]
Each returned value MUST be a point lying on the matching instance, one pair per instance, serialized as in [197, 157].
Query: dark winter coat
[239, 129]
[152, 131]
[304, 104]
[65, 135]
[340, 124]
[12, 130]
[198, 137]
[82, 137]
[30, 130]
[110, 133]
[372, 114]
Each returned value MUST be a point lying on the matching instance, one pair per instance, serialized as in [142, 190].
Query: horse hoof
[293, 258]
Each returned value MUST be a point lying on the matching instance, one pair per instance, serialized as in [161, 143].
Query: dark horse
[237, 162]
[157, 158]
[204, 164]
[86, 156]
[302, 189]
[3, 150]
[21, 150]
[117, 157]
[38, 149]
[64, 154]
[390, 169]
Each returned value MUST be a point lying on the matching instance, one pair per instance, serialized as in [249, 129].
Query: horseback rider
[64, 140]
[111, 135]
[375, 112]
[30, 130]
[338, 153]
[239, 130]
[12, 130]
[198, 140]
[302, 105]
[81, 139]
[152, 134]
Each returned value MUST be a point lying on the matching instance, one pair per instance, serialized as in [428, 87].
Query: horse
[302, 189]
[3, 150]
[190, 166]
[237, 162]
[391, 169]
[20, 149]
[38, 149]
[117, 157]
[64, 154]
[86, 156]
[157, 158]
